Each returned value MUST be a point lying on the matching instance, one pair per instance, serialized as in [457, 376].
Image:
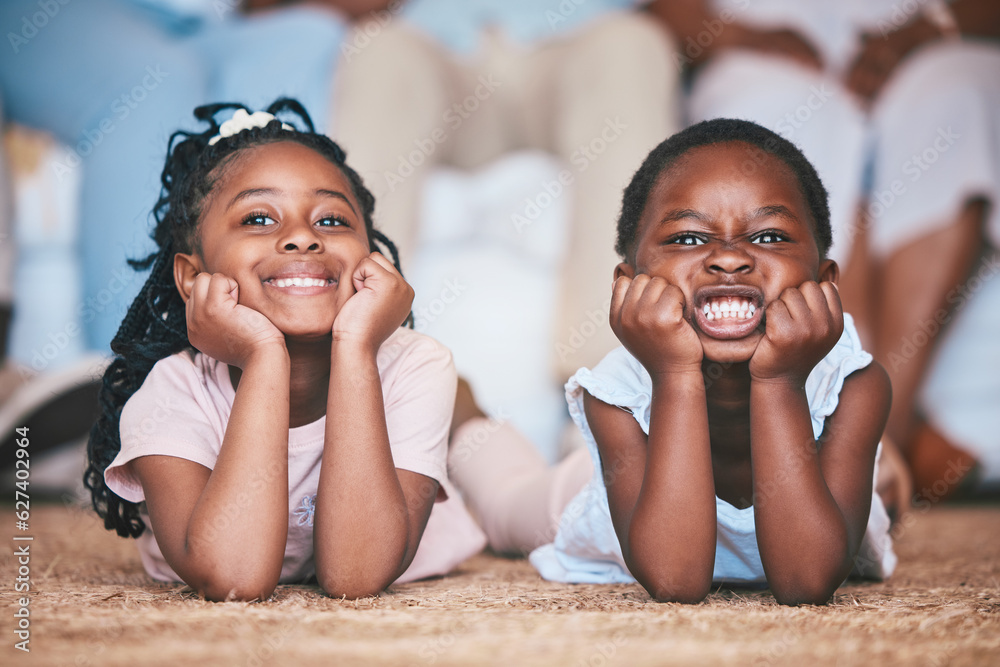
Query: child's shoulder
[406, 349]
[618, 379]
[618, 369]
[189, 364]
[187, 373]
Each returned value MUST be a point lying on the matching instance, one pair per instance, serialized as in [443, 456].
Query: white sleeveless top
[586, 547]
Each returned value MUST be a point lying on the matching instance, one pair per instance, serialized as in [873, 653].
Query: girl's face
[730, 240]
[283, 222]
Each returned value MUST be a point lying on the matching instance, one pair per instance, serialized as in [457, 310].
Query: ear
[624, 269]
[186, 267]
[828, 270]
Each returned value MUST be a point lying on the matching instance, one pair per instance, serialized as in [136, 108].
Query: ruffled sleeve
[827, 379]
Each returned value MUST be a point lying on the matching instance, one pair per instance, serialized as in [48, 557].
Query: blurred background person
[898, 105]
[460, 83]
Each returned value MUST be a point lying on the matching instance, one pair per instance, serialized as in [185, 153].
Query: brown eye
[686, 239]
[259, 220]
[769, 237]
[332, 221]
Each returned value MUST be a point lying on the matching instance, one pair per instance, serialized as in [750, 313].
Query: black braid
[155, 326]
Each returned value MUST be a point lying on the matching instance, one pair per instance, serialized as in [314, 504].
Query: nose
[730, 258]
[299, 237]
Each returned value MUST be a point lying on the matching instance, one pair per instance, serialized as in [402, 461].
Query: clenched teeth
[739, 309]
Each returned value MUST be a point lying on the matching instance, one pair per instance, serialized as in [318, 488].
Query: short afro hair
[719, 131]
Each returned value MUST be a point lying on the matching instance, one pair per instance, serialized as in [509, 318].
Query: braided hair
[155, 326]
[718, 131]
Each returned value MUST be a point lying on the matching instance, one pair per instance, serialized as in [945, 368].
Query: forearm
[688, 19]
[670, 544]
[974, 18]
[362, 534]
[235, 541]
[979, 18]
[801, 532]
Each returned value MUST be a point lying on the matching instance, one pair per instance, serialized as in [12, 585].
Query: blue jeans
[112, 80]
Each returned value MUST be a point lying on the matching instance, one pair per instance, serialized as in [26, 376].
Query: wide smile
[728, 312]
[301, 279]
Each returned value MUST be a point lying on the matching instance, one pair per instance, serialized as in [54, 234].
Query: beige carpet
[91, 604]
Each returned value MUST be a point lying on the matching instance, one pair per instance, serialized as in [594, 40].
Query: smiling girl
[266, 418]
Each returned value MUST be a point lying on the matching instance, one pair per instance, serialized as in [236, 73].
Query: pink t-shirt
[183, 407]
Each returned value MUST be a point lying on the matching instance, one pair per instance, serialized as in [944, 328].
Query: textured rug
[92, 604]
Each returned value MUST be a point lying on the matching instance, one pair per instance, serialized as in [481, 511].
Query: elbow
[353, 578]
[353, 582]
[810, 580]
[222, 590]
[794, 596]
[815, 589]
[218, 586]
[352, 588]
[687, 580]
[685, 590]
[684, 594]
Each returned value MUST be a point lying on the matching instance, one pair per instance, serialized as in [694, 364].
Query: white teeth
[300, 282]
[726, 307]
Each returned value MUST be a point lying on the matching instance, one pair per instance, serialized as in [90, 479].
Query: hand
[881, 54]
[222, 328]
[381, 302]
[894, 484]
[647, 315]
[801, 327]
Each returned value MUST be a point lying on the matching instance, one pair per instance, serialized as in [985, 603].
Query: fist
[647, 315]
[801, 327]
[219, 326]
[381, 302]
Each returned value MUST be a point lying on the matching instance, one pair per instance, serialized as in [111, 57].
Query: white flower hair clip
[242, 120]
